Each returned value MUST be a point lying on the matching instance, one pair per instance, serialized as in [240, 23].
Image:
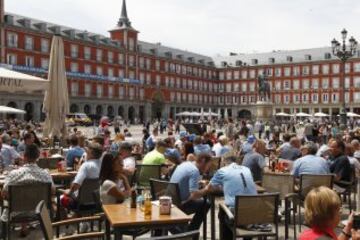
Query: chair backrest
[311, 181]
[145, 172]
[45, 220]
[193, 235]
[281, 183]
[163, 188]
[86, 191]
[25, 197]
[256, 209]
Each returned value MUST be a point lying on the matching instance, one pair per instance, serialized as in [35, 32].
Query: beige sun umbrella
[56, 100]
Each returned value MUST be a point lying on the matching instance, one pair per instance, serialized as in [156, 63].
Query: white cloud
[208, 26]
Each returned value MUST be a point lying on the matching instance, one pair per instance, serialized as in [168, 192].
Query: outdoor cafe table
[212, 197]
[122, 217]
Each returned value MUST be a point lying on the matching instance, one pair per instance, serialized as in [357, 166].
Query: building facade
[121, 75]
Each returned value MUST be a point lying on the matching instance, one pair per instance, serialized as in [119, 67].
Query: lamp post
[343, 52]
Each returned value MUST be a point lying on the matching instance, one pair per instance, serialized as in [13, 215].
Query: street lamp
[343, 52]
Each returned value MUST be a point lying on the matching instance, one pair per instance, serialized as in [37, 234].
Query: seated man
[75, 152]
[291, 152]
[255, 161]
[90, 169]
[310, 163]
[156, 156]
[340, 165]
[188, 175]
[29, 173]
[28, 140]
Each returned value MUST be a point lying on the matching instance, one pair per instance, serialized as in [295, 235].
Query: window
[74, 88]
[87, 90]
[252, 87]
[325, 69]
[335, 83]
[278, 85]
[277, 98]
[287, 71]
[74, 51]
[315, 69]
[269, 72]
[158, 80]
[286, 85]
[243, 74]
[347, 67]
[325, 97]
[221, 76]
[296, 84]
[357, 82]
[121, 92]
[11, 59]
[99, 70]
[315, 83]
[131, 74]
[296, 98]
[74, 67]
[357, 67]
[229, 87]
[278, 72]
[296, 71]
[335, 68]
[142, 94]
[252, 73]
[305, 70]
[110, 91]
[244, 87]
[357, 97]
[305, 84]
[236, 87]
[347, 97]
[44, 45]
[99, 55]
[99, 90]
[236, 75]
[314, 98]
[45, 63]
[110, 57]
[305, 98]
[347, 82]
[110, 72]
[228, 75]
[121, 73]
[87, 69]
[325, 83]
[157, 66]
[131, 44]
[12, 40]
[148, 79]
[87, 53]
[29, 61]
[29, 43]
[335, 97]
[131, 61]
[286, 99]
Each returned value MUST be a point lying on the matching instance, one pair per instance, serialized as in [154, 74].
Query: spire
[124, 20]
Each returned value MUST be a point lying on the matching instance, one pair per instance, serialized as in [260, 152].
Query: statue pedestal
[264, 110]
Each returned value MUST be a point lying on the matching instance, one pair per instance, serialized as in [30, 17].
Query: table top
[57, 174]
[267, 171]
[121, 215]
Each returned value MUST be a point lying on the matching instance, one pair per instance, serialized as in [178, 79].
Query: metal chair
[47, 226]
[306, 184]
[193, 235]
[283, 184]
[250, 209]
[23, 199]
[163, 188]
[144, 173]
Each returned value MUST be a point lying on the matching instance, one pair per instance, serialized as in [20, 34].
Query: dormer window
[327, 56]
[289, 58]
[224, 64]
[308, 57]
[254, 61]
[238, 63]
[271, 60]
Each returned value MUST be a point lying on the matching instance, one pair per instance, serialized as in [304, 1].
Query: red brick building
[121, 75]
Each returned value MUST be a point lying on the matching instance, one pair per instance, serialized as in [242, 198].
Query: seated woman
[322, 214]
[114, 186]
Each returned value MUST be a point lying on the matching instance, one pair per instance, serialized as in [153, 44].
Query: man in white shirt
[129, 163]
[9, 155]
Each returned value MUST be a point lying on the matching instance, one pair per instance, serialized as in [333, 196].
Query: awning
[10, 110]
[11, 81]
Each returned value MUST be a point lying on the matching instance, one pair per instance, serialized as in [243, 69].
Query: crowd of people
[246, 149]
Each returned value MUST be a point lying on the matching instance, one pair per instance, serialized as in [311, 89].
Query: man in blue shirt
[310, 163]
[234, 179]
[188, 175]
[75, 152]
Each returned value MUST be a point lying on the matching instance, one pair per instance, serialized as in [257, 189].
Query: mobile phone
[356, 221]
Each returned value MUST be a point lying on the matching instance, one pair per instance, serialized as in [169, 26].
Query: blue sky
[209, 26]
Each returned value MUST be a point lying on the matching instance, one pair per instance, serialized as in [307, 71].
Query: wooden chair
[193, 235]
[163, 188]
[250, 209]
[144, 173]
[47, 226]
[23, 199]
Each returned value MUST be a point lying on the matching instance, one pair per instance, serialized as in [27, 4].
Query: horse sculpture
[264, 88]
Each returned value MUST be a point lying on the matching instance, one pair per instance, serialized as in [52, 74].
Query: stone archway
[29, 109]
[87, 109]
[121, 111]
[157, 106]
[99, 110]
[244, 114]
[131, 114]
[74, 108]
[110, 111]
